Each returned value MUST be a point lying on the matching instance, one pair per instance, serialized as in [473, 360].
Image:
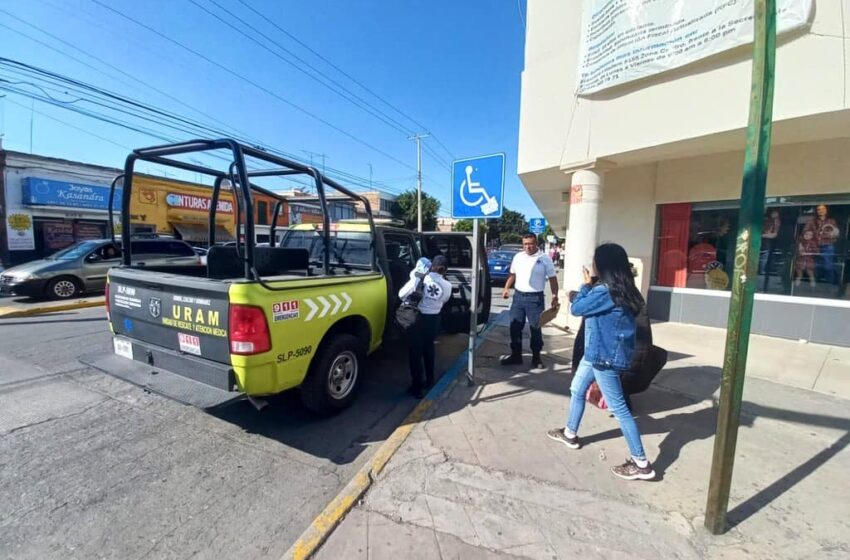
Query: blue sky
[453, 67]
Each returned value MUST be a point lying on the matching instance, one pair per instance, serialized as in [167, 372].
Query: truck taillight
[106, 301]
[249, 330]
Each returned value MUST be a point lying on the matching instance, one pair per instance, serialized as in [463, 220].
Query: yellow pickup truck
[256, 320]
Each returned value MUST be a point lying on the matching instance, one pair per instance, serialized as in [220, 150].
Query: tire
[334, 377]
[64, 287]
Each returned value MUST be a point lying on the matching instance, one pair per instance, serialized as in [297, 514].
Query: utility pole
[418, 138]
[746, 265]
[311, 154]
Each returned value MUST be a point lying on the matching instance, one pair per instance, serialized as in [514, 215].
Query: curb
[10, 312]
[325, 523]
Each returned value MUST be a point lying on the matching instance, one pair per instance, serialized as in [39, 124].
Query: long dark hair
[614, 269]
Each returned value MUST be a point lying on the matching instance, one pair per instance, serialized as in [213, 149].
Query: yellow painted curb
[324, 524]
[9, 312]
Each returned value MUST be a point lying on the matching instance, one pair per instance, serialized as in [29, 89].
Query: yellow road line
[9, 312]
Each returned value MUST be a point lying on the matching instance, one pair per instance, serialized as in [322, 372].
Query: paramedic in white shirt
[530, 270]
[436, 291]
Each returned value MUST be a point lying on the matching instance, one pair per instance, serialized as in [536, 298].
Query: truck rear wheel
[334, 376]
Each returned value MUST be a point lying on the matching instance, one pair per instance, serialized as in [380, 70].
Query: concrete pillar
[582, 235]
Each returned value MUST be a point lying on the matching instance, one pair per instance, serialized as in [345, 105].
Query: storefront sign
[47, 192]
[625, 40]
[200, 203]
[19, 231]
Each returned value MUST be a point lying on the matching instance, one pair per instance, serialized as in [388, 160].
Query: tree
[510, 238]
[465, 225]
[406, 210]
[512, 222]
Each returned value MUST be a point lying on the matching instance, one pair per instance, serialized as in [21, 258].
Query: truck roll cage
[239, 177]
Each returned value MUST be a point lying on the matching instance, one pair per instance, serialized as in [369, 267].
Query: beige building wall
[668, 119]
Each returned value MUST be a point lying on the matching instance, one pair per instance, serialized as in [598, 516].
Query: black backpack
[407, 314]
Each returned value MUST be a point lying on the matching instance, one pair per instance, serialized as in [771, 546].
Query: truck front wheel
[334, 376]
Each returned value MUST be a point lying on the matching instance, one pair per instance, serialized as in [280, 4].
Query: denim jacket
[609, 329]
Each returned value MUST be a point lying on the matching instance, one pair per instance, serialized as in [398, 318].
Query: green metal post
[746, 265]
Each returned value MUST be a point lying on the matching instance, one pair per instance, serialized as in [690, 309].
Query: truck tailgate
[180, 313]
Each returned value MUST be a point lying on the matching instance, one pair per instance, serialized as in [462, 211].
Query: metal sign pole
[746, 266]
[473, 308]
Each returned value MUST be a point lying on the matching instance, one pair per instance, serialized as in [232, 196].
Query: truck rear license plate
[189, 343]
[123, 347]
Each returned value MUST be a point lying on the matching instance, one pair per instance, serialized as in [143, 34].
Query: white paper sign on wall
[625, 40]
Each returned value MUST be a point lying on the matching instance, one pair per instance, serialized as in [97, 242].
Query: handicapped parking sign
[478, 187]
[537, 225]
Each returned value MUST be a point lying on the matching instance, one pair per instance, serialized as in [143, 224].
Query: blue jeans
[612, 390]
[526, 305]
[827, 255]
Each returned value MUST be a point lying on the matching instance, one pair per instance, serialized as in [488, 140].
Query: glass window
[805, 247]
[456, 248]
[348, 249]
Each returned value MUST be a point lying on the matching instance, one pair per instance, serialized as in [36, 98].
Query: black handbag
[407, 314]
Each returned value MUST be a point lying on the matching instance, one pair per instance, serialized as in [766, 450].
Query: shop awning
[198, 233]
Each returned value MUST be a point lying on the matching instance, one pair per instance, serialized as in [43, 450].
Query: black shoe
[536, 362]
[512, 360]
[417, 392]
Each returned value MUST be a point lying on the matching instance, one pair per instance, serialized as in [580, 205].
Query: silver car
[82, 267]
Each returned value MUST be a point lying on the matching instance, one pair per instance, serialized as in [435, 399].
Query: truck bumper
[178, 376]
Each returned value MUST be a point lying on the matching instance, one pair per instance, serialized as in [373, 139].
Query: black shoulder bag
[408, 312]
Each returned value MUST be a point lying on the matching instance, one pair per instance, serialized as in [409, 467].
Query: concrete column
[582, 236]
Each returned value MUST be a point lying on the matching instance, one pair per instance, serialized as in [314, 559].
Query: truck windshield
[347, 248]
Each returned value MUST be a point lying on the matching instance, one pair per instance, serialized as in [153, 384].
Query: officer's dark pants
[421, 350]
[526, 306]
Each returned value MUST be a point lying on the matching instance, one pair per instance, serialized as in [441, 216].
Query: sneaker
[630, 471]
[511, 360]
[558, 435]
[536, 362]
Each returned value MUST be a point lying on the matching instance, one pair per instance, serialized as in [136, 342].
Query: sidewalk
[17, 306]
[479, 478]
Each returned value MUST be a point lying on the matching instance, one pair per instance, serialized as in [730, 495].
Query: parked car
[499, 263]
[82, 267]
[515, 247]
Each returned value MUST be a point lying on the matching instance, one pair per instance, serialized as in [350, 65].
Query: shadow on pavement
[381, 406]
[674, 389]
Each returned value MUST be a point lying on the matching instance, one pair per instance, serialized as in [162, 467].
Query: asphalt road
[94, 467]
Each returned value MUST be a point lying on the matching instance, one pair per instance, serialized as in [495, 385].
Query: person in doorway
[609, 308]
[436, 291]
[825, 233]
[530, 269]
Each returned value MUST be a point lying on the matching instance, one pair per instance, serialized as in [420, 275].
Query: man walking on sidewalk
[529, 271]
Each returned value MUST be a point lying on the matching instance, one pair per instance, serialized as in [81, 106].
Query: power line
[348, 95]
[255, 84]
[417, 124]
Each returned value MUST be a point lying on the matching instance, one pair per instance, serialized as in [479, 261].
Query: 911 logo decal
[285, 310]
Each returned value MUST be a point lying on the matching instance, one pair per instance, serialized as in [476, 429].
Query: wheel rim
[343, 375]
[64, 288]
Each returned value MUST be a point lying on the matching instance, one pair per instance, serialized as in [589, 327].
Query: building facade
[632, 130]
[49, 203]
[382, 203]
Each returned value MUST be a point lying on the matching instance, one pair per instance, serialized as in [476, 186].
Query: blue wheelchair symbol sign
[537, 225]
[478, 187]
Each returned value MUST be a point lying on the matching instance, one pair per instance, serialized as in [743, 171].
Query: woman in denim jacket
[609, 308]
